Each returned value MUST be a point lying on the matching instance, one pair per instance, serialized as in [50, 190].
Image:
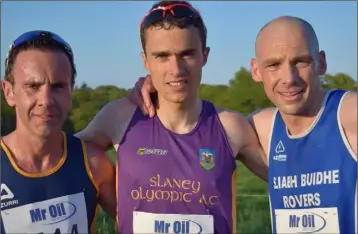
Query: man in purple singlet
[176, 171]
[310, 138]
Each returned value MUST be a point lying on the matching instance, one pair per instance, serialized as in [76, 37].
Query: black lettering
[74, 229]
[58, 231]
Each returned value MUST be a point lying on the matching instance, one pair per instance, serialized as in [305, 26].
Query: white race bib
[67, 214]
[314, 220]
[172, 223]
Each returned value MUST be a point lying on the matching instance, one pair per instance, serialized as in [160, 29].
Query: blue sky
[105, 37]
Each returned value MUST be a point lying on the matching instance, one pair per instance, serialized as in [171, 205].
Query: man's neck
[37, 148]
[180, 118]
[297, 124]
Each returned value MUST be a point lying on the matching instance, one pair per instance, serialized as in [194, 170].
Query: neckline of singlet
[36, 175]
[315, 122]
[204, 107]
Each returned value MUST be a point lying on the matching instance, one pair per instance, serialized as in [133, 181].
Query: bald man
[309, 138]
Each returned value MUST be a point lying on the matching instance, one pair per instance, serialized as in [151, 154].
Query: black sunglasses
[176, 10]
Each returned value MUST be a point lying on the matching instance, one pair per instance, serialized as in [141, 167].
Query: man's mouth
[178, 83]
[291, 95]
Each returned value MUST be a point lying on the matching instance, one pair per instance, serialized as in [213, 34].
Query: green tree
[215, 93]
[245, 94]
[339, 81]
[88, 101]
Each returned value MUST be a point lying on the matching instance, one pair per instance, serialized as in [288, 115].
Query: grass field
[253, 212]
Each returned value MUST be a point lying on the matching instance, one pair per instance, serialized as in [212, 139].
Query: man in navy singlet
[309, 138]
[51, 182]
[173, 175]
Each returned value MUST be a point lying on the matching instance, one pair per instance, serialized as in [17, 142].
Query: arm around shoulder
[107, 127]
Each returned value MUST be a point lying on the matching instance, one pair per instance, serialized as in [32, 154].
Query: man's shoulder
[261, 120]
[229, 116]
[348, 110]
[263, 113]
[98, 163]
[350, 99]
[235, 125]
[96, 156]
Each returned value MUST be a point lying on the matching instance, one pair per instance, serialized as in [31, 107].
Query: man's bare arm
[251, 153]
[103, 174]
[244, 142]
[106, 129]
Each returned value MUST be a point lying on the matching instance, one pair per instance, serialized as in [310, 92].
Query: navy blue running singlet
[63, 200]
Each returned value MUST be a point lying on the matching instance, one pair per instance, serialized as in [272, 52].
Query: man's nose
[46, 96]
[290, 74]
[176, 66]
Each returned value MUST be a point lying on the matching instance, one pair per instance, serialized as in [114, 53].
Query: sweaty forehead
[38, 65]
[173, 39]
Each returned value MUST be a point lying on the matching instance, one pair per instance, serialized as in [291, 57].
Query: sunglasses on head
[31, 36]
[176, 10]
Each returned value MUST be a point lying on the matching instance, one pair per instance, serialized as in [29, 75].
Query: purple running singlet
[176, 183]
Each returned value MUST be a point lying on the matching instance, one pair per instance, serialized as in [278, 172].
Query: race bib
[67, 214]
[172, 223]
[314, 220]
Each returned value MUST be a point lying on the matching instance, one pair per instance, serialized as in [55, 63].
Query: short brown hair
[41, 43]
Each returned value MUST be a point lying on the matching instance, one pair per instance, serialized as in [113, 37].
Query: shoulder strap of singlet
[211, 117]
[137, 116]
[333, 99]
[330, 104]
[77, 155]
[208, 109]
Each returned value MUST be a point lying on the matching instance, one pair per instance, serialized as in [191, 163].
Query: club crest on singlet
[207, 158]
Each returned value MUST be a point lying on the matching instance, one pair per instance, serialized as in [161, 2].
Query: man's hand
[140, 95]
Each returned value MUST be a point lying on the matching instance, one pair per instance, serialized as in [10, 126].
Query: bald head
[288, 60]
[286, 28]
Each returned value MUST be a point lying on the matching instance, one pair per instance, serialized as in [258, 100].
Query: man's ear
[255, 72]
[145, 61]
[7, 88]
[322, 65]
[206, 55]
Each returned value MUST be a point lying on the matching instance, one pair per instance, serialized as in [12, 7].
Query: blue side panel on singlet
[312, 178]
[71, 178]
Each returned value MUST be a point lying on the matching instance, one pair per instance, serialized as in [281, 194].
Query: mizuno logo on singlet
[279, 150]
[7, 194]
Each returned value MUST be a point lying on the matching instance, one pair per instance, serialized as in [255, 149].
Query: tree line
[241, 94]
